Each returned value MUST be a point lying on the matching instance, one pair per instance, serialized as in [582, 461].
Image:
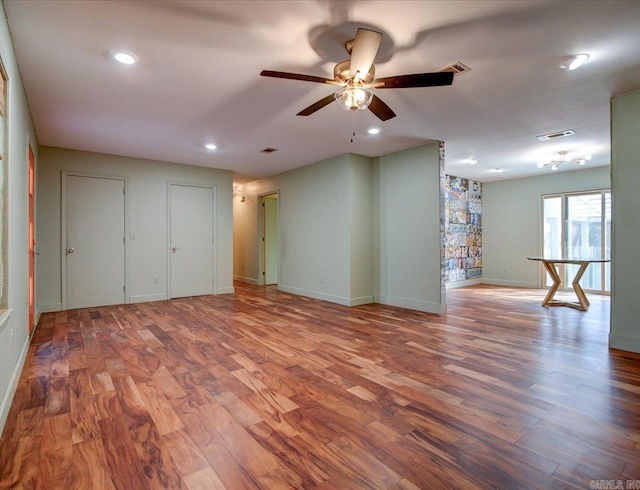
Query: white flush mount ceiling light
[124, 57]
[573, 62]
[210, 146]
[555, 164]
[373, 130]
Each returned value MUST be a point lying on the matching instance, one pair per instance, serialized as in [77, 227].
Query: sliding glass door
[578, 225]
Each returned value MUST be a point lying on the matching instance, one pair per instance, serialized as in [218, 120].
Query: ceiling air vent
[457, 68]
[268, 149]
[559, 134]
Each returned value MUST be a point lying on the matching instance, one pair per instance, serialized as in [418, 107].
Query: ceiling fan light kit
[354, 98]
[356, 77]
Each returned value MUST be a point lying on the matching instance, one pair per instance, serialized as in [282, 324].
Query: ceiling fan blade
[317, 106]
[297, 76]
[380, 109]
[364, 50]
[435, 79]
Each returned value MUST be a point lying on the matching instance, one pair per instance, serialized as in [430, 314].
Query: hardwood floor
[263, 389]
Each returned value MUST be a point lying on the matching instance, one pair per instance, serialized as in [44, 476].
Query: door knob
[71, 250]
[174, 249]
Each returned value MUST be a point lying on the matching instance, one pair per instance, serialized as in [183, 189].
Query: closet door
[191, 240]
[94, 254]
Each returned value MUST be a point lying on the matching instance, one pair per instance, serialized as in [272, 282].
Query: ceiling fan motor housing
[342, 73]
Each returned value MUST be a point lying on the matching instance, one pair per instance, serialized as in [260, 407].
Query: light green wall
[352, 230]
[146, 219]
[625, 177]
[314, 217]
[512, 222]
[361, 228]
[407, 237]
[14, 333]
[245, 233]
[271, 239]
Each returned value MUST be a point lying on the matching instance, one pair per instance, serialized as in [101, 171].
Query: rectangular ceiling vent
[559, 134]
[268, 149]
[457, 68]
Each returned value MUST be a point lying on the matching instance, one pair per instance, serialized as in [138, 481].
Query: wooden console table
[550, 267]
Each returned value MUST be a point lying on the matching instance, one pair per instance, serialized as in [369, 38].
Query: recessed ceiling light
[124, 57]
[574, 62]
[210, 146]
[473, 161]
[498, 170]
[373, 130]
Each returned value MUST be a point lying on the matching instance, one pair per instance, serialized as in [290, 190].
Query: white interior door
[191, 240]
[95, 249]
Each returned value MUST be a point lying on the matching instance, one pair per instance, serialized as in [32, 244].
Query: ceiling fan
[356, 78]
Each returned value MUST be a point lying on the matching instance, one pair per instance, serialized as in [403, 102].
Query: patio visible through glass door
[578, 225]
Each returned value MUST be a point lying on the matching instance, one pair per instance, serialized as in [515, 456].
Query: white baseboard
[467, 282]
[50, 308]
[230, 290]
[5, 403]
[362, 300]
[316, 295]
[249, 280]
[513, 284]
[145, 298]
[630, 344]
[412, 304]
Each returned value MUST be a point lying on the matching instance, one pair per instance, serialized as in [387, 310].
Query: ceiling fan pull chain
[353, 125]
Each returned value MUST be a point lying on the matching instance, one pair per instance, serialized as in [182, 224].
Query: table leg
[583, 302]
[551, 269]
[582, 298]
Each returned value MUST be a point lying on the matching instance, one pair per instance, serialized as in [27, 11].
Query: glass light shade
[354, 98]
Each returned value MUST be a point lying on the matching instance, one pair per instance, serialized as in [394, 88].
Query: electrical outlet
[155, 280]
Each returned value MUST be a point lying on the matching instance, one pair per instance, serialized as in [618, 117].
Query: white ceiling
[198, 79]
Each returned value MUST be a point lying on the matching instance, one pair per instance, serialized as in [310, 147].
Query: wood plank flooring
[263, 389]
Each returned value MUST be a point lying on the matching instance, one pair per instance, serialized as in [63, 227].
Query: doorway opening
[268, 239]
